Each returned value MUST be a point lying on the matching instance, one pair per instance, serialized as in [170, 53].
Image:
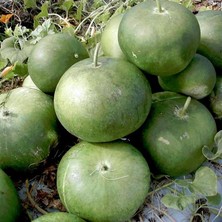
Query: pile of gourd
[137, 109]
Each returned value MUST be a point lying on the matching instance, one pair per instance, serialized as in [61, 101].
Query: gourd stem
[95, 55]
[159, 6]
[187, 103]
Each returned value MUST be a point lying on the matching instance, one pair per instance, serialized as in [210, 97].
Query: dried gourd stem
[161, 211]
[97, 12]
[159, 6]
[61, 19]
[160, 188]
[140, 218]
[185, 107]
[34, 204]
[93, 19]
[95, 55]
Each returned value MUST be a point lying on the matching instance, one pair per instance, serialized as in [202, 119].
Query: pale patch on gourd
[2, 114]
[178, 113]
[163, 11]
[37, 151]
[199, 91]
[165, 141]
[185, 136]
[116, 94]
[134, 55]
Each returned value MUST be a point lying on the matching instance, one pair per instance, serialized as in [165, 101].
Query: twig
[92, 16]
[219, 214]
[34, 204]
[65, 20]
[160, 188]
[140, 218]
[161, 211]
[12, 12]
[197, 215]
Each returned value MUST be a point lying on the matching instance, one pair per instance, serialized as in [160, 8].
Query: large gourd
[28, 128]
[102, 101]
[161, 38]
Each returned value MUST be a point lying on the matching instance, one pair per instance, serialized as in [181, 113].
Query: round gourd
[103, 181]
[109, 38]
[29, 83]
[103, 102]
[58, 216]
[216, 99]
[175, 132]
[197, 79]
[210, 22]
[51, 57]
[161, 41]
[29, 128]
[10, 203]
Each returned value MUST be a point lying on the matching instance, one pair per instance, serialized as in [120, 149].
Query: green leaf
[208, 153]
[92, 41]
[104, 17]
[43, 13]
[214, 200]
[205, 182]
[183, 182]
[96, 4]
[20, 31]
[78, 15]
[29, 3]
[27, 48]
[46, 28]
[9, 32]
[212, 155]
[70, 30]
[3, 63]
[12, 53]
[178, 202]
[119, 10]
[20, 69]
[218, 137]
[66, 5]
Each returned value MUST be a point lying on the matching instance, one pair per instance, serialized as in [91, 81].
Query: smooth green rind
[51, 57]
[196, 80]
[173, 141]
[103, 181]
[58, 217]
[216, 98]
[160, 43]
[210, 22]
[29, 83]
[10, 203]
[109, 38]
[29, 128]
[103, 103]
